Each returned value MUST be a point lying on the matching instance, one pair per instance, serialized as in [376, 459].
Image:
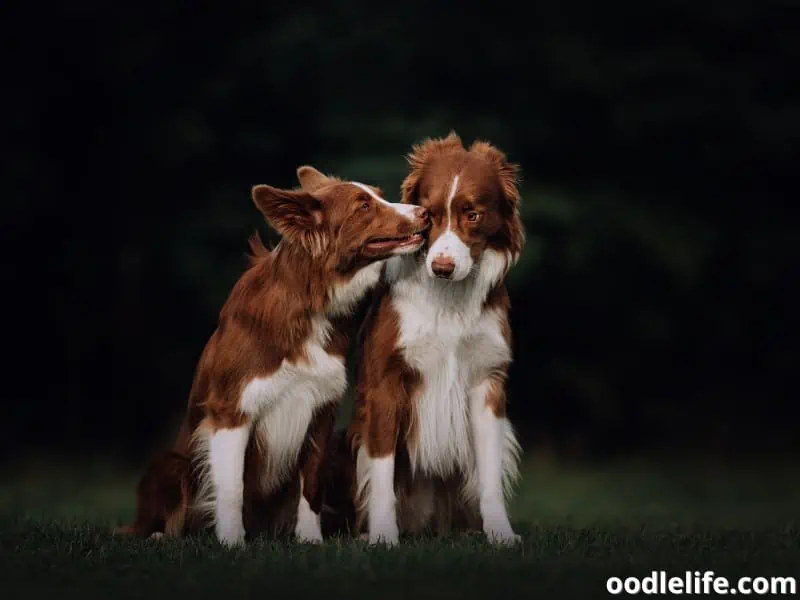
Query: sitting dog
[433, 446]
[263, 400]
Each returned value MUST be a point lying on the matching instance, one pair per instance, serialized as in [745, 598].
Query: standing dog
[262, 405]
[432, 442]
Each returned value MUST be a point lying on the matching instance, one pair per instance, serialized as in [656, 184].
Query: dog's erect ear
[420, 154]
[295, 214]
[311, 180]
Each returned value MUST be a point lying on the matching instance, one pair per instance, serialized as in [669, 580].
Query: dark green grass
[579, 526]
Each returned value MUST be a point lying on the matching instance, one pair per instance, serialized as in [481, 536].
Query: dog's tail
[258, 251]
[162, 498]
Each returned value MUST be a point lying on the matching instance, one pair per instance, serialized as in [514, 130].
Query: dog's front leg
[376, 468]
[495, 457]
[312, 467]
[381, 505]
[226, 450]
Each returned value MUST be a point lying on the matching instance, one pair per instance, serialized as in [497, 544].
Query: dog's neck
[315, 285]
[294, 269]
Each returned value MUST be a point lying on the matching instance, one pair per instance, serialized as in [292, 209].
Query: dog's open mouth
[398, 243]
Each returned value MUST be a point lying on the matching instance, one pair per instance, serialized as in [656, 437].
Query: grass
[579, 526]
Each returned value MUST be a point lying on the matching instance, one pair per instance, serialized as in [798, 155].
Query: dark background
[653, 309]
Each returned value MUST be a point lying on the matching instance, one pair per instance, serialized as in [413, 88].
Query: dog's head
[473, 200]
[347, 224]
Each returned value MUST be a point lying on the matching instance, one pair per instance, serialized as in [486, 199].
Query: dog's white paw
[389, 536]
[308, 532]
[503, 536]
[230, 533]
[157, 535]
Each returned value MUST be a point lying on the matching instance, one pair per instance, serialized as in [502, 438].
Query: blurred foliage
[652, 304]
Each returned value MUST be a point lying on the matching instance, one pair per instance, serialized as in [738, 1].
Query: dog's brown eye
[473, 217]
[365, 206]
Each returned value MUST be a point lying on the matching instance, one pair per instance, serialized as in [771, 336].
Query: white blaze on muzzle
[449, 245]
[407, 210]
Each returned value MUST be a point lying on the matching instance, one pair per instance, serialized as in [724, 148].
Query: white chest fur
[283, 404]
[343, 297]
[447, 335]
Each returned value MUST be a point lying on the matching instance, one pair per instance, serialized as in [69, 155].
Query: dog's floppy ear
[295, 214]
[311, 179]
[507, 172]
[508, 175]
[417, 159]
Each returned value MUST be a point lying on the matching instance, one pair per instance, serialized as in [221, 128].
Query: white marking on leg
[491, 446]
[226, 449]
[308, 528]
[382, 512]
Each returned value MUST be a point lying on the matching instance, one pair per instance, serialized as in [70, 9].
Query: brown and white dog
[432, 442]
[262, 405]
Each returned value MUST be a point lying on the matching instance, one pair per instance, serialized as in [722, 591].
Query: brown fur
[327, 227]
[383, 418]
[488, 188]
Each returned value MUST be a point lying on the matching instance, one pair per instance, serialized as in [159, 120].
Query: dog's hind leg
[176, 522]
[312, 469]
[162, 497]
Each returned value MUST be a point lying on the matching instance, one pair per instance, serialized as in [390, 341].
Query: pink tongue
[384, 243]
